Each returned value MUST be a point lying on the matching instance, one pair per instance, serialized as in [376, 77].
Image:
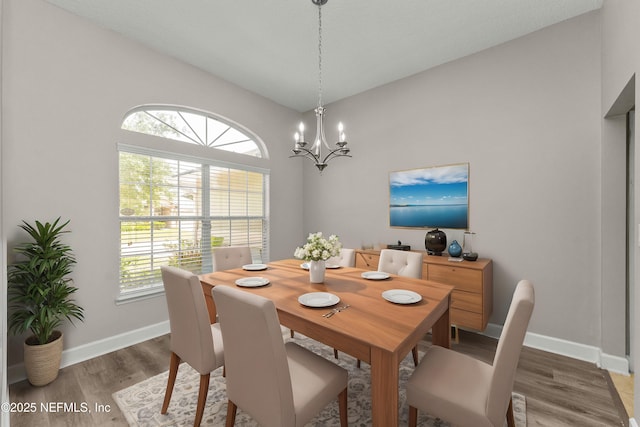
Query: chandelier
[315, 151]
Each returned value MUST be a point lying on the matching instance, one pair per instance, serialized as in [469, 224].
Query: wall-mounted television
[433, 197]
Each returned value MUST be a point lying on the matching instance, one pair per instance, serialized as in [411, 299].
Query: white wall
[620, 65]
[526, 116]
[67, 85]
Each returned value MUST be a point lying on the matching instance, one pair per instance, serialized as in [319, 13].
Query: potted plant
[41, 298]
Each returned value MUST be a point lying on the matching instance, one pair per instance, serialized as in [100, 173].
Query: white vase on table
[316, 271]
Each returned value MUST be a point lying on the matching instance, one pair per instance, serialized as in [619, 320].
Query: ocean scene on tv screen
[430, 197]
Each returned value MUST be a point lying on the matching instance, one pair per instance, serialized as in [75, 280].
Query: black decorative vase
[435, 242]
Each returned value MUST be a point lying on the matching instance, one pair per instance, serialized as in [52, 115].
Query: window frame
[264, 153]
[160, 147]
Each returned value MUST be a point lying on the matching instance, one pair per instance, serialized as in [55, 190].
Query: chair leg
[292, 332]
[455, 333]
[358, 363]
[511, 422]
[342, 405]
[173, 371]
[202, 398]
[413, 416]
[335, 353]
[231, 413]
[414, 351]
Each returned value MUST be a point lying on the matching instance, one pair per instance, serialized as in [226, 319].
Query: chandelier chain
[314, 151]
[319, 54]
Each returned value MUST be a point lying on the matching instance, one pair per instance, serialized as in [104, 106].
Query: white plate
[254, 267]
[333, 265]
[375, 275]
[401, 296]
[252, 282]
[318, 299]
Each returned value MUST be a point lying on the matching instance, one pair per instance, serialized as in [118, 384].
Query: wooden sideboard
[472, 298]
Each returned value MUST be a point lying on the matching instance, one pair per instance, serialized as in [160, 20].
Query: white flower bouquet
[318, 248]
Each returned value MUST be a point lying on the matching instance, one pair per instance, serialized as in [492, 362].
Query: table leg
[441, 332]
[211, 307]
[384, 388]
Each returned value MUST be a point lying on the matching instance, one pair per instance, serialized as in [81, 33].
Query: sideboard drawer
[367, 261]
[467, 319]
[464, 279]
[468, 301]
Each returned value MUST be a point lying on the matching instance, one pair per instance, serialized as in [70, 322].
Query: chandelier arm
[335, 153]
[308, 154]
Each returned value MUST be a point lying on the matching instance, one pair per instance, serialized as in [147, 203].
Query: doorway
[631, 240]
[625, 384]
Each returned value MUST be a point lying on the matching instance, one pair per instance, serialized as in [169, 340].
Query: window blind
[174, 211]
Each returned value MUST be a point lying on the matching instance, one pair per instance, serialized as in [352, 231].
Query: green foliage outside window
[143, 183]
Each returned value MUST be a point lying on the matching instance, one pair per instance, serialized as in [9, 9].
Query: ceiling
[270, 47]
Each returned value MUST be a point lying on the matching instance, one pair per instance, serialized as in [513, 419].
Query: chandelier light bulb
[341, 137]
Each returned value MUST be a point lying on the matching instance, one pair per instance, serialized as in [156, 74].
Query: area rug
[141, 402]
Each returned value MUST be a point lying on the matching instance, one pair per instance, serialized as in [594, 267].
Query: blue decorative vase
[455, 250]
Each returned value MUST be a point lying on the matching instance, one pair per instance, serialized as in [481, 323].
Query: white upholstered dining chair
[193, 339]
[278, 384]
[228, 257]
[347, 258]
[402, 263]
[468, 392]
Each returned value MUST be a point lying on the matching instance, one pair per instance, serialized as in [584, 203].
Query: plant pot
[42, 361]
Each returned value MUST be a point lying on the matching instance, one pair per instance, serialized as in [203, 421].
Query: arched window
[175, 209]
[191, 126]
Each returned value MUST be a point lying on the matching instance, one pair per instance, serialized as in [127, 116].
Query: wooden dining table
[372, 329]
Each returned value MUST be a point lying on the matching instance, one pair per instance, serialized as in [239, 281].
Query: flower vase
[316, 271]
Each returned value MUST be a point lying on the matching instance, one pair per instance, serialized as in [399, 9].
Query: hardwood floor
[93, 382]
[560, 391]
[624, 387]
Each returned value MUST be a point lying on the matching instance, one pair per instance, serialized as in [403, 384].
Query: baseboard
[616, 364]
[97, 348]
[633, 423]
[88, 351]
[571, 349]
